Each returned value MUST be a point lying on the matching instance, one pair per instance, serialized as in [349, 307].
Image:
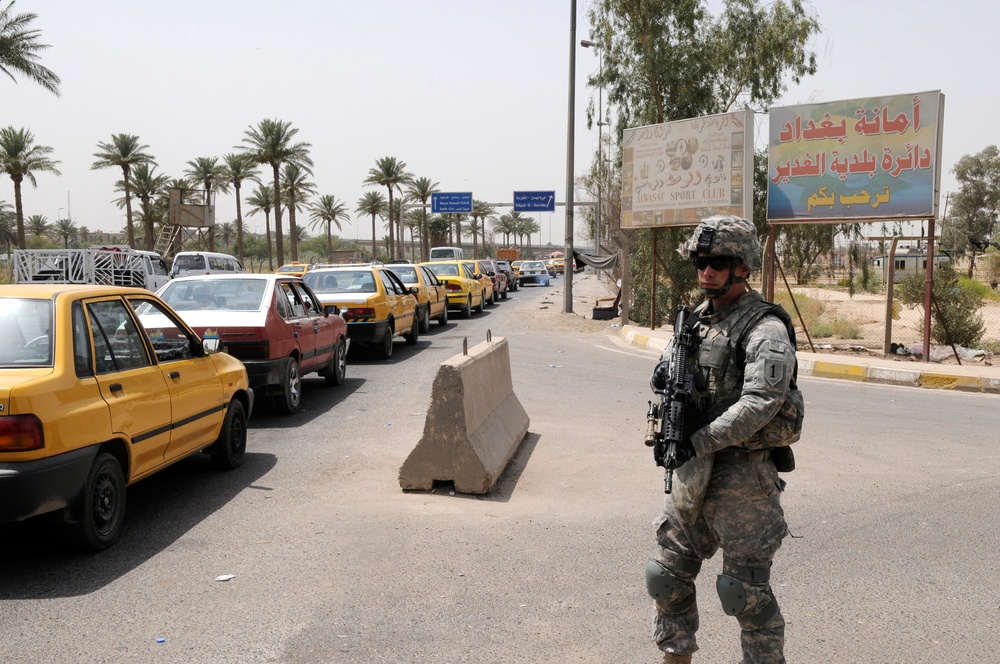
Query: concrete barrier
[474, 424]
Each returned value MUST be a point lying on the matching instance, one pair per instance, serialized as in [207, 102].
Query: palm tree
[19, 47]
[390, 173]
[270, 142]
[262, 200]
[420, 190]
[210, 174]
[239, 167]
[411, 222]
[37, 225]
[296, 190]
[225, 232]
[8, 234]
[125, 152]
[147, 185]
[507, 225]
[326, 211]
[373, 203]
[20, 158]
[526, 227]
[480, 212]
[438, 227]
[66, 229]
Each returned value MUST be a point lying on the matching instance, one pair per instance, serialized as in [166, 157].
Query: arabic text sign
[534, 201]
[874, 158]
[676, 174]
[442, 203]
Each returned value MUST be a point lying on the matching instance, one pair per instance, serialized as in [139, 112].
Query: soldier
[726, 493]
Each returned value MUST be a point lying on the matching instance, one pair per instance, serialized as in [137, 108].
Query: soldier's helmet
[725, 235]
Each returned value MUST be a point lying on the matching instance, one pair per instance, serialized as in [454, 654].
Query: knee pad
[732, 594]
[676, 595]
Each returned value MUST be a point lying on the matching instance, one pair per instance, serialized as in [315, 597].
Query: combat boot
[676, 658]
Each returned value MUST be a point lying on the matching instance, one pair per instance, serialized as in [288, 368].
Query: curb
[862, 373]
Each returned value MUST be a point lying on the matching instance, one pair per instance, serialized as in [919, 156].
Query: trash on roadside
[225, 577]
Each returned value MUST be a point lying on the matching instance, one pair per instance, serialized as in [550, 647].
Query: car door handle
[174, 375]
[115, 387]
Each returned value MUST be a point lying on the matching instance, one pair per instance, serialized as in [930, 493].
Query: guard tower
[184, 217]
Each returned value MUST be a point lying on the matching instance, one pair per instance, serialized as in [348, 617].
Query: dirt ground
[868, 312]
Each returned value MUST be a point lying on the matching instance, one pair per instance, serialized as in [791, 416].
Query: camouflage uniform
[728, 496]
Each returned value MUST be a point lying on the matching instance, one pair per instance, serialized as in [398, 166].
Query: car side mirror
[491, 274]
[414, 290]
[211, 345]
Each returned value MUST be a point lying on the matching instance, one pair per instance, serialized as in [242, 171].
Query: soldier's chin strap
[730, 282]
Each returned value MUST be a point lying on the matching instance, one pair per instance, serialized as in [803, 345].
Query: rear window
[25, 332]
[215, 294]
[341, 281]
[406, 273]
[189, 262]
[444, 269]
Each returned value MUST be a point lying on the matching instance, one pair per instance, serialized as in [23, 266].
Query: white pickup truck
[112, 266]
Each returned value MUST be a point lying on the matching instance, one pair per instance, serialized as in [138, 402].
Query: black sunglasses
[718, 263]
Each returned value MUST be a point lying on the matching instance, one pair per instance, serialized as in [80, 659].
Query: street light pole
[570, 131]
[586, 43]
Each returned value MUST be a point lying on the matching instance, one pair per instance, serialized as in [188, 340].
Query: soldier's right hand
[658, 381]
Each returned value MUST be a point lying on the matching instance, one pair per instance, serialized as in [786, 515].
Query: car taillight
[360, 312]
[21, 433]
[454, 288]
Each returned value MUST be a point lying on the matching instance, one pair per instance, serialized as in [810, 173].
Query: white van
[447, 254]
[189, 263]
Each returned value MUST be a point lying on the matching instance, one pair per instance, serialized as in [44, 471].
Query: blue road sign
[534, 201]
[451, 202]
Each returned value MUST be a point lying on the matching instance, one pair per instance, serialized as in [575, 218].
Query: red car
[273, 323]
[496, 275]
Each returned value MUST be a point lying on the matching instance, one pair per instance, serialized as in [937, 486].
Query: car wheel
[493, 298]
[385, 345]
[414, 333]
[337, 372]
[467, 309]
[482, 304]
[290, 398]
[425, 319]
[228, 451]
[101, 509]
[503, 295]
[443, 318]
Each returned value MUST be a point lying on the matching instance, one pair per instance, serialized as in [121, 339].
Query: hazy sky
[472, 94]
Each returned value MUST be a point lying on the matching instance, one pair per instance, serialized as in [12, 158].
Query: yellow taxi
[465, 291]
[556, 265]
[293, 269]
[489, 296]
[91, 401]
[432, 295]
[517, 268]
[377, 306]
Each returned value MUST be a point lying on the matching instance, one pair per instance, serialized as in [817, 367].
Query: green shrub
[956, 318]
[845, 329]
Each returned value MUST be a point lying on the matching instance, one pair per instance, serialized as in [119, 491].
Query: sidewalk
[968, 377]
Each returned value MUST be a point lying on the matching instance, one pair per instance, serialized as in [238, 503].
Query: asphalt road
[892, 509]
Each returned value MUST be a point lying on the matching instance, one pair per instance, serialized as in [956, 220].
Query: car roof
[228, 275]
[49, 290]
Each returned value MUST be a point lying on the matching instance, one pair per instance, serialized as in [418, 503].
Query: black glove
[658, 381]
[685, 451]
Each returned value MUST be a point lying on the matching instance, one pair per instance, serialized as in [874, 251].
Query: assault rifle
[665, 419]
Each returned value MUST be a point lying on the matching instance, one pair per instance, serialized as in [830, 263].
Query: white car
[532, 272]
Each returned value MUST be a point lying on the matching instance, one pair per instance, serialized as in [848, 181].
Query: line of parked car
[101, 386]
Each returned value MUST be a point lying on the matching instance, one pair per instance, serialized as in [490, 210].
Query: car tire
[467, 309]
[425, 319]
[493, 298]
[290, 399]
[520, 282]
[482, 304]
[336, 373]
[101, 508]
[443, 318]
[503, 295]
[384, 349]
[229, 449]
[414, 334]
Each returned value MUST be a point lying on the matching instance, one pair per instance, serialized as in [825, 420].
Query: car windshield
[215, 294]
[444, 269]
[25, 332]
[341, 281]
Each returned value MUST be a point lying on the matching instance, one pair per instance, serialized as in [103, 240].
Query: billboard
[677, 173]
[856, 160]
